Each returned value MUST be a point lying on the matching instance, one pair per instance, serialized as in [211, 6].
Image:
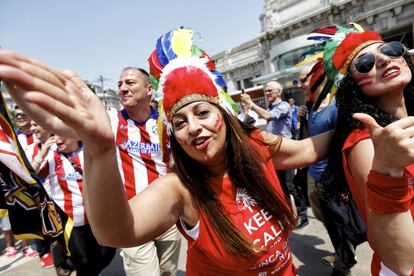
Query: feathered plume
[340, 44]
[175, 51]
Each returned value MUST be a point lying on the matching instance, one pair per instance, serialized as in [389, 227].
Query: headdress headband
[341, 45]
[181, 73]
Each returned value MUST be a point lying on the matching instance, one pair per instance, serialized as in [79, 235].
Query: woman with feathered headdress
[223, 191]
[374, 151]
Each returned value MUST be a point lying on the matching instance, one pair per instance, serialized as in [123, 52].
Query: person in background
[61, 172]
[279, 122]
[247, 115]
[313, 79]
[24, 135]
[295, 123]
[142, 158]
[37, 153]
[26, 139]
[8, 234]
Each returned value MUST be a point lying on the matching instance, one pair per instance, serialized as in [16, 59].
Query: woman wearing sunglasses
[374, 151]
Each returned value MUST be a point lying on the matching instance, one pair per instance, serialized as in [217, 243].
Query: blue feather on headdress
[220, 80]
[164, 50]
[320, 38]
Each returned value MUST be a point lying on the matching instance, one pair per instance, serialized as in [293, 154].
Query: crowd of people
[188, 164]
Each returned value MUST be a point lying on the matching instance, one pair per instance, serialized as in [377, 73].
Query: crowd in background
[360, 164]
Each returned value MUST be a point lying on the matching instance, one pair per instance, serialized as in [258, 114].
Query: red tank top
[353, 138]
[207, 255]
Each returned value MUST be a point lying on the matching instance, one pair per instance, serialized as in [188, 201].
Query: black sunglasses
[21, 115]
[366, 62]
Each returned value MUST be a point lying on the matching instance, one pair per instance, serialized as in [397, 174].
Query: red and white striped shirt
[63, 182]
[32, 151]
[141, 158]
[25, 140]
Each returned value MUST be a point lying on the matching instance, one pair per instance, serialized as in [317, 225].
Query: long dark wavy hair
[245, 170]
[350, 100]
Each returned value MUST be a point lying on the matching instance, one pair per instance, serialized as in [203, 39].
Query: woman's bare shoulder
[190, 210]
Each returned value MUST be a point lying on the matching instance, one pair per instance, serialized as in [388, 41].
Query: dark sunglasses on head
[366, 62]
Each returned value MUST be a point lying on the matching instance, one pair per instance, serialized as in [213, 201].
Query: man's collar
[277, 101]
[20, 131]
[153, 115]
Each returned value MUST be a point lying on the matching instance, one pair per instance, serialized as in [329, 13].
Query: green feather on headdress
[340, 46]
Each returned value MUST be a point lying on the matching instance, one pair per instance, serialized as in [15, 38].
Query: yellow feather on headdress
[357, 27]
[181, 42]
[309, 60]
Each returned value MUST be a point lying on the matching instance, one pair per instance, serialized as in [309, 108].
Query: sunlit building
[108, 97]
[9, 101]
[272, 54]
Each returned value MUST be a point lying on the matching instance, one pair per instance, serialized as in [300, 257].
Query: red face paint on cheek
[219, 123]
[364, 84]
[179, 140]
[366, 81]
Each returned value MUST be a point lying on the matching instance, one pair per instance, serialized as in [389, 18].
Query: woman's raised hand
[394, 144]
[58, 100]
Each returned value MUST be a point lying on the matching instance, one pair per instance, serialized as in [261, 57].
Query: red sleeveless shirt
[354, 138]
[207, 256]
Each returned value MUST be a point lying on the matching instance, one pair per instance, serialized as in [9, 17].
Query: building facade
[108, 97]
[272, 54]
[9, 101]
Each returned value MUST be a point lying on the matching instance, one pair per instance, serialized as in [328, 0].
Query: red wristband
[386, 194]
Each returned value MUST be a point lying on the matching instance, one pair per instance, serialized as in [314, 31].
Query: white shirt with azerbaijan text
[141, 158]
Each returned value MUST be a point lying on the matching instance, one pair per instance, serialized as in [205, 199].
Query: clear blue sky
[94, 37]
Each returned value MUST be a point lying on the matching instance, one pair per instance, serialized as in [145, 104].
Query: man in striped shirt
[141, 160]
[62, 171]
[26, 139]
[36, 153]
[24, 134]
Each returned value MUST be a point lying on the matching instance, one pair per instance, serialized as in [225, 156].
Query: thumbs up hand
[393, 144]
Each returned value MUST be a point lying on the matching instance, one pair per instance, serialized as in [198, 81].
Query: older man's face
[272, 93]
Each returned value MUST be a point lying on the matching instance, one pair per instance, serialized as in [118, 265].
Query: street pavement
[308, 244]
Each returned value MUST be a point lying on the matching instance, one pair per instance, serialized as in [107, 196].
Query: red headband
[343, 53]
[183, 82]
